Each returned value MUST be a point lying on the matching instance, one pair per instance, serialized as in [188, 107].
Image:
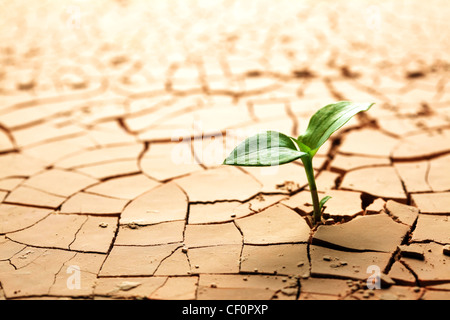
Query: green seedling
[272, 148]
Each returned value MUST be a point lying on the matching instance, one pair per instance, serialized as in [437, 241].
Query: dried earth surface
[115, 117]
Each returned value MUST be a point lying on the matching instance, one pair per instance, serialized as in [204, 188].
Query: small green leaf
[323, 200]
[265, 149]
[303, 147]
[327, 120]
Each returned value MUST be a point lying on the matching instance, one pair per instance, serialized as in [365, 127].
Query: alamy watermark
[74, 280]
[374, 280]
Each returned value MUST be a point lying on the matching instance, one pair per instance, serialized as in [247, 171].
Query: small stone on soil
[335, 265]
[446, 250]
[128, 285]
[289, 291]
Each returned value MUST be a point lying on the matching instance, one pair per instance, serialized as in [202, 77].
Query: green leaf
[265, 149]
[323, 200]
[327, 120]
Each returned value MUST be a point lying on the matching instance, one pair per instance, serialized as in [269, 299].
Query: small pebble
[344, 263]
[103, 225]
[446, 250]
[197, 266]
[326, 258]
[300, 264]
[25, 84]
[128, 285]
[184, 250]
[416, 289]
[213, 285]
[289, 291]
[255, 270]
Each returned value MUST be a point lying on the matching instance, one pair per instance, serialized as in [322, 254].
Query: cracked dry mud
[95, 182]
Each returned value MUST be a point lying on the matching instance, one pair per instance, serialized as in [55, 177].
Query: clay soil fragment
[55, 231]
[141, 287]
[16, 217]
[135, 260]
[277, 224]
[219, 184]
[356, 266]
[401, 275]
[373, 232]
[287, 259]
[212, 234]
[432, 228]
[403, 213]
[154, 206]
[382, 182]
[434, 268]
[422, 145]
[23, 281]
[88, 203]
[240, 287]
[432, 203]
[215, 259]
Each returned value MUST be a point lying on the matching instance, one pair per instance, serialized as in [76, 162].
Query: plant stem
[307, 163]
